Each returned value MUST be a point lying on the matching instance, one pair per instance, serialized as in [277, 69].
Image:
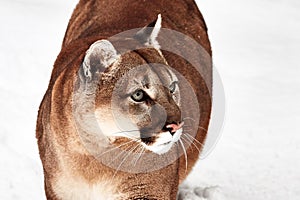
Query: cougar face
[148, 95]
[144, 104]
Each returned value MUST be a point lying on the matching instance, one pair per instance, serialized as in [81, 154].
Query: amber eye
[172, 87]
[138, 96]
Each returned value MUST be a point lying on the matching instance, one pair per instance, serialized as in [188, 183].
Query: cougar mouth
[162, 142]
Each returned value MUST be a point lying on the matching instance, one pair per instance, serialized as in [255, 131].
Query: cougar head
[136, 93]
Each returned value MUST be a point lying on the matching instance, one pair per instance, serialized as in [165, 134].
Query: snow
[256, 47]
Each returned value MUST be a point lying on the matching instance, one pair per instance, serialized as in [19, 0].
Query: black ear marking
[148, 35]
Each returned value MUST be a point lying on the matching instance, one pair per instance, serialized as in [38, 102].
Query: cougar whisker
[185, 154]
[113, 148]
[121, 154]
[188, 140]
[194, 139]
[139, 156]
[128, 154]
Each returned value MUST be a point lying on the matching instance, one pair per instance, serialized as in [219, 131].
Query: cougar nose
[173, 127]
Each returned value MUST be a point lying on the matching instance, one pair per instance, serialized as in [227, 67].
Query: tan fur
[71, 172]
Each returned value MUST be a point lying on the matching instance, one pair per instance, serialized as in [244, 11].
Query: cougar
[125, 116]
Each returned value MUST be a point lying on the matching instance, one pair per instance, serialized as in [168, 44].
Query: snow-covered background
[257, 52]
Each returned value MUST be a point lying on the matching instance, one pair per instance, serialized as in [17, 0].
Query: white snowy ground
[256, 50]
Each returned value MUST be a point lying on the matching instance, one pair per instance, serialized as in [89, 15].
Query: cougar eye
[172, 87]
[138, 96]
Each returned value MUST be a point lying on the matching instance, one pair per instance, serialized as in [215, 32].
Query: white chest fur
[70, 188]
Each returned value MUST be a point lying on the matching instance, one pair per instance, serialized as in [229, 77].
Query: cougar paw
[199, 193]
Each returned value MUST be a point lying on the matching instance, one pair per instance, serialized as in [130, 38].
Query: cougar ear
[148, 35]
[98, 57]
